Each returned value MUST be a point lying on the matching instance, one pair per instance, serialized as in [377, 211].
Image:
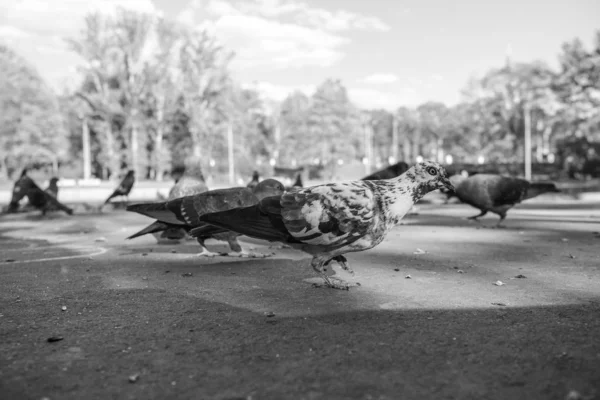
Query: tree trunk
[134, 141]
[395, 144]
[159, 166]
[406, 149]
[159, 162]
[87, 161]
[416, 144]
[113, 157]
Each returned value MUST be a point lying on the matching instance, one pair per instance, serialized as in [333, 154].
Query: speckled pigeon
[330, 220]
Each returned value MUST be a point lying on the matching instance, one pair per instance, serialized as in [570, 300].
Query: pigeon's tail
[156, 226]
[158, 211]
[249, 221]
[114, 194]
[53, 203]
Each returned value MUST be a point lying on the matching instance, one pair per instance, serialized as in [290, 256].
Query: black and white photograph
[299, 199]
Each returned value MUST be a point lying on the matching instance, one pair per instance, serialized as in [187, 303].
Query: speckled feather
[333, 218]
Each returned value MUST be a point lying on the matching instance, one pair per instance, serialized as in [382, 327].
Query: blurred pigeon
[298, 182]
[389, 172]
[53, 187]
[497, 193]
[255, 179]
[124, 187]
[190, 182]
[38, 198]
[330, 220]
[455, 180]
[185, 212]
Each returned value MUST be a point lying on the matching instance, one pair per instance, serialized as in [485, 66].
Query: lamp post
[527, 145]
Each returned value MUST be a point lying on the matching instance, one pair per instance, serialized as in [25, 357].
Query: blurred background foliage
[154, 92]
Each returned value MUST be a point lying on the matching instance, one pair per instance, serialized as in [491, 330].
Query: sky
[388, 53]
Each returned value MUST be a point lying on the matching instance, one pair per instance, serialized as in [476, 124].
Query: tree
[578, 84]
[31, 127]
[293, 123]
[408, 130]
[203, 77]
[334, 125]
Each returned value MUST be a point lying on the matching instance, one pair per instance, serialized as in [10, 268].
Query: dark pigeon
[328, 221]
[38, 198]
[189, 183]
[389, 172]
[255, 179]
[498, 194]
[298, 183]
[53, 187]
[185, 212]
[124, 187]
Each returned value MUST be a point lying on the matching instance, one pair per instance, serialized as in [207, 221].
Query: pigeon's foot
[207, 253]
[332, 283]
[247, 254]
[345, 266]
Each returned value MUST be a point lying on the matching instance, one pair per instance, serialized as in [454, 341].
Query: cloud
[278, 34]
[37, 29]
[298, 12]
[11, 32]
[261, 42]
[380, 78]
[437, 77]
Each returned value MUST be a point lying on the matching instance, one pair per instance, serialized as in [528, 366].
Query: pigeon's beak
[445, 183]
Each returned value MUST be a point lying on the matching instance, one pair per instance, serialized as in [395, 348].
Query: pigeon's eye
[431, 171]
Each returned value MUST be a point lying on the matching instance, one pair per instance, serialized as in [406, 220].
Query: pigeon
[185, 213]
[190, 182]
[255, 179]
[298, 182]
[330, 220]
[389, 172]
[455, 180]
[124, 187]
[38, 198]
[53, 187]
[498, 194]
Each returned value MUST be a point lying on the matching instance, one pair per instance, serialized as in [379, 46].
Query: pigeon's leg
[481, 214]
[238, 251]
[498, 225]
[330, 282]
[205, 252]
[342, 261]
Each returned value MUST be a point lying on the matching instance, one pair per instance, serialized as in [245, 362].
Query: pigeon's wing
[261, 221]
[127, 184]
[332, 215]
[154, 227]
[167, 212]
[51, 202]
[507, 191]
[192, 207]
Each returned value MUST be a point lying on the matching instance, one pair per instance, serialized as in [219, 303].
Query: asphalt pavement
[446, 309]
